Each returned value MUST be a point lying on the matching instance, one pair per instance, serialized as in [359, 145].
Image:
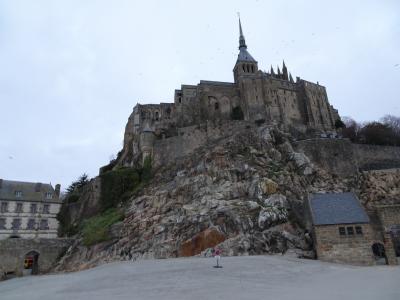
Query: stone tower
[245, 63]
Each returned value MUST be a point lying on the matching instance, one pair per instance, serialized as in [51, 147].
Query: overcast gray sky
[71, 71]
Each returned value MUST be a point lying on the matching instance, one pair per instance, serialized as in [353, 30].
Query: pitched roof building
[28, 209]
[342, 231]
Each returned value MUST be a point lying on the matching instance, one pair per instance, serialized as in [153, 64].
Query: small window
[2, 223]
[4, 207]
[44, 225]
[350, 231]
[216, 105]
[31, 224]
[46, 209]
[359, 230]
[157, 115]
[33, 208]
[18, 194]
[342, 231]
[49, 195]
[18, 208]
[16, 224]
[180, 99]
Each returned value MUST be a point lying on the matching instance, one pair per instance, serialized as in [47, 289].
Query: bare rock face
[206, 239]
[244, 193]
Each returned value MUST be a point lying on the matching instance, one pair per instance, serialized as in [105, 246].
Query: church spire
[285, 72]
[242, 41]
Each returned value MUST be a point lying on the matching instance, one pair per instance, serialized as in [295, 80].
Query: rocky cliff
[244, 191]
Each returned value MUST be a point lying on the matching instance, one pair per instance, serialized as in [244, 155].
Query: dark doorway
[237, 113]
[379, 253]
[395, 235]
[32, 262]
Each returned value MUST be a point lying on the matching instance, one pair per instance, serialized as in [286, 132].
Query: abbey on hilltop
[254, 96]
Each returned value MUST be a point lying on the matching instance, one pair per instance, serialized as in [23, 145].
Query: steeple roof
[244, 55]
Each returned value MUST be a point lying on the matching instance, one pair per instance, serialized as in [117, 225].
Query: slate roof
[31, 191]
[244, 55]
[336, 208]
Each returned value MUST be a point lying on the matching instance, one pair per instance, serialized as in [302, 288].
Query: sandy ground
[254, 277]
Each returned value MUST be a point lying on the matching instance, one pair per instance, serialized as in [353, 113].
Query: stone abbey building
[256, 96]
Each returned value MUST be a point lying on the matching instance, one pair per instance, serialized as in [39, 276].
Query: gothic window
[252, 69]
[2, 223]
[248, 69]
[44, 224]
[18, 208]
[16, 224]
[243, 68]
[31, 224]
[4, 207]
[33, 208]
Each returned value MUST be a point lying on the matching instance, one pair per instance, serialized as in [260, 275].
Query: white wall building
[28, 209]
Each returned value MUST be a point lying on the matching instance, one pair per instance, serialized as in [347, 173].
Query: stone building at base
[343, 233]
[28, 209]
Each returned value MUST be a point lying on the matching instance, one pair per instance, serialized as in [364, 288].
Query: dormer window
[49, 195]
[18, 194]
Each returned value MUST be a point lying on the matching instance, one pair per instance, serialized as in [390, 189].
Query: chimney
[57, 190]
[1, 183]
[38, 187]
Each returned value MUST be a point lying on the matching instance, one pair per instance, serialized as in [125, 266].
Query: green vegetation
[146, 173]
[385, 132]
[96, 229]
[72, 195]
[117, 186]
[339, 124]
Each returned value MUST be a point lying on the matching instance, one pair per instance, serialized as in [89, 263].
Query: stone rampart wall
[13, 252]
[343, 158]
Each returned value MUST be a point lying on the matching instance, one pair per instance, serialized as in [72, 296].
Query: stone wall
[343, 158]
[189, 139]
[333, 247]
[373, 157]
[88, 205]
[13, 251]
[389, 215]
[333, 155]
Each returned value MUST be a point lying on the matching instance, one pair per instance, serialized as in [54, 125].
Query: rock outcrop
[244, 192]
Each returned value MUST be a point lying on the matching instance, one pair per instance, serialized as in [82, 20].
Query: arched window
[248, 69]
[252, 69]
[243, 68]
